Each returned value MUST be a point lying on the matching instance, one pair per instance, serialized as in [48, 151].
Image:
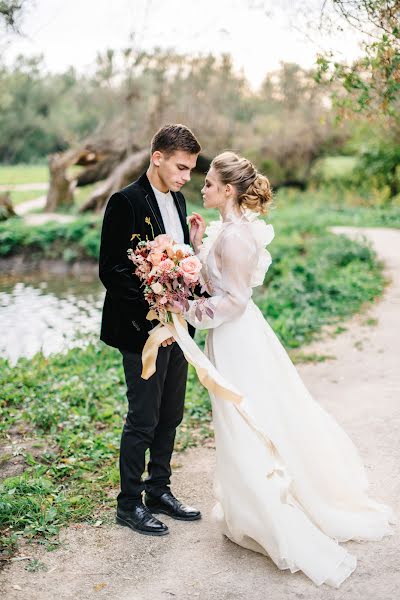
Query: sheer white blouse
[234, 261]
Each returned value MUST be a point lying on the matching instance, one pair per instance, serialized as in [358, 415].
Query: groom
[144, 209]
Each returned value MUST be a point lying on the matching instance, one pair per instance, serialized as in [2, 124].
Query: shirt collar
[160, 194]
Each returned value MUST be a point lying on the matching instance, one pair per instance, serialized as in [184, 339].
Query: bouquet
[169, 273]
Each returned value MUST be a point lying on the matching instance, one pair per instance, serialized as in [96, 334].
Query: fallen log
[125, 173]
[122, 175]
[100, 158]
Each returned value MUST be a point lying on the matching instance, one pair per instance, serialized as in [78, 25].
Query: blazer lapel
[152, 202]
[155, 209]
[182, 218]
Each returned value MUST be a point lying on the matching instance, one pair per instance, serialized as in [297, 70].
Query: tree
[11, 13]
[372, 83]
[43, 113]
[293, 126]
[370, 89]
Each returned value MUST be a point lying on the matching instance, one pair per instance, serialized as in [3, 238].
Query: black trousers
[155, 410]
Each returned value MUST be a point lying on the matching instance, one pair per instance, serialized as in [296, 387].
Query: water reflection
[48, 313]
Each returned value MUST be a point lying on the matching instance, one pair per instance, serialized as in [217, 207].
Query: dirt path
[24, 209]
[358, 387]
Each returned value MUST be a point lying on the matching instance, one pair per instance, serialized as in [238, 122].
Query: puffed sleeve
[237, 254]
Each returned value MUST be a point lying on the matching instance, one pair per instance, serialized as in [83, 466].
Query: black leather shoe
[141, 520]
[167, 504]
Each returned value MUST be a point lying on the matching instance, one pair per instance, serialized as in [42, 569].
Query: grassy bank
[70, 242]
[71, 406]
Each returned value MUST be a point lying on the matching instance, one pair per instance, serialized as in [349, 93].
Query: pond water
[48, 313]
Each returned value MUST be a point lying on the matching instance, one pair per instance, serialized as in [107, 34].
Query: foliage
[368, 91]
[331, 206]
[291, 96]
[371, 177]
[10, 13]
[336, 170]
[315, 280]
[372, 83]
[70, 241]
[379, 164]
[41, 113]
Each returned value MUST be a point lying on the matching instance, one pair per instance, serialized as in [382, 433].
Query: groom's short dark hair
[171, 138]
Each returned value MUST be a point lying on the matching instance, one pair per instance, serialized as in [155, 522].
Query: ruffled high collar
[263, 235]
[243, 215]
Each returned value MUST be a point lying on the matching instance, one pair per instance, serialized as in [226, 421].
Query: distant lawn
[334, 167]
[19, 197]
[15, 174]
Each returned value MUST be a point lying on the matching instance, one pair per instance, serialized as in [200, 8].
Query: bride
[289, 482]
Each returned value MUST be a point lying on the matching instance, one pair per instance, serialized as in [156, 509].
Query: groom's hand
[167, 342]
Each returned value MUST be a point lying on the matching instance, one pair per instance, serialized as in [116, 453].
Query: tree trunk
[6, 207]
[60, 190]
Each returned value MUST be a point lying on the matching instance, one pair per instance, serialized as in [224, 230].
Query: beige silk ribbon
[207, 374]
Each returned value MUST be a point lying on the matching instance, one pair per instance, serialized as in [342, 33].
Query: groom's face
[174, 170]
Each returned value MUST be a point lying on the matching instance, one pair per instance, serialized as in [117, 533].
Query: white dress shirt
[169, 215]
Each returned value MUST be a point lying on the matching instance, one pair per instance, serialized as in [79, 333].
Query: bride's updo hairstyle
[253, 189]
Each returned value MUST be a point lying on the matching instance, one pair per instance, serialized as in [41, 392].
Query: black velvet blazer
[132, 210]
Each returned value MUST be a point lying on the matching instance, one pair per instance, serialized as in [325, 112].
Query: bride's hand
[197, 229]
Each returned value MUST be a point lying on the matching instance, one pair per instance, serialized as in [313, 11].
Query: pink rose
[155, 257]
[166, 265]
[191, 267]
[161, 242]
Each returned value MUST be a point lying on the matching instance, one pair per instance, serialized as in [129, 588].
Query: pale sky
[258, 34]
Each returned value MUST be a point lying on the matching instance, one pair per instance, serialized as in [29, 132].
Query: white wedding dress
[297, 496]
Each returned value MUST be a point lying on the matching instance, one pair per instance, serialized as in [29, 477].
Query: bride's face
[214, 192]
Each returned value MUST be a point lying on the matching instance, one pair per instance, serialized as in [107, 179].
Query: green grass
[18, 174]
[316, 281]
[75, 403]
[19, 197]
[298, 357]
[321, 208]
